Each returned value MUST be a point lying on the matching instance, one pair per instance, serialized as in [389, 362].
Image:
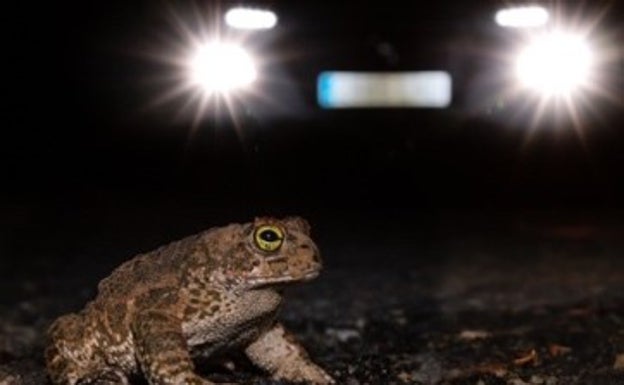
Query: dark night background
[92, 176]
[80, 144]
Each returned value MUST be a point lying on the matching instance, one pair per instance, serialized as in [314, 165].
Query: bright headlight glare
[522, 17]
[221, 67]
[556, 63]
[250, 18]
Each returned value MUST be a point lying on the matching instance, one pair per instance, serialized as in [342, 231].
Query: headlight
[221, 67]
[556, 63]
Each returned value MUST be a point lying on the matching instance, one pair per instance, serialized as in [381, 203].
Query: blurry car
[516, 64]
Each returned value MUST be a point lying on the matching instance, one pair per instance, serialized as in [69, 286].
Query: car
[517, 64]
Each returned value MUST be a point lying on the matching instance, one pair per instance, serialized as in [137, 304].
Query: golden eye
[268, 237]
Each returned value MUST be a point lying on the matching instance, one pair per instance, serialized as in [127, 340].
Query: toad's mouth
[283, 279]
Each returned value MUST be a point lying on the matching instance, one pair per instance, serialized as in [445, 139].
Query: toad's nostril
[305, 247]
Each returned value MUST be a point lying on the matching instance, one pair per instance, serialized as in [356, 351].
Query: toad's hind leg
[72, 355]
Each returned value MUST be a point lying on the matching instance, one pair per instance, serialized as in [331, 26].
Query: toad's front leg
[162, 350]
[277, 352]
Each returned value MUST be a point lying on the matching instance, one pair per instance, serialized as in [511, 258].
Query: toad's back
[159, 268]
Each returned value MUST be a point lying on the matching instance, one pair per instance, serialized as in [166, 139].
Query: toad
[210, 293]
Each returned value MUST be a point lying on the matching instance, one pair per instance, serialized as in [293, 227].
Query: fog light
[522, 17]
[250, 18]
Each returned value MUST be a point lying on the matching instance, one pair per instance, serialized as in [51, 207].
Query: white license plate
[346, 89]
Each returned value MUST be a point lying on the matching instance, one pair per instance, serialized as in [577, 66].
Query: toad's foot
[277, 352]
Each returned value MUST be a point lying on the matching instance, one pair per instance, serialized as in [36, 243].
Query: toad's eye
[268, 237]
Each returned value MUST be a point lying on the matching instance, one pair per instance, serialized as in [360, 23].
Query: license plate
[413, 89]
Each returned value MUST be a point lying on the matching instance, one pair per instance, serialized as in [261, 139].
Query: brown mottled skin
[212, 292]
